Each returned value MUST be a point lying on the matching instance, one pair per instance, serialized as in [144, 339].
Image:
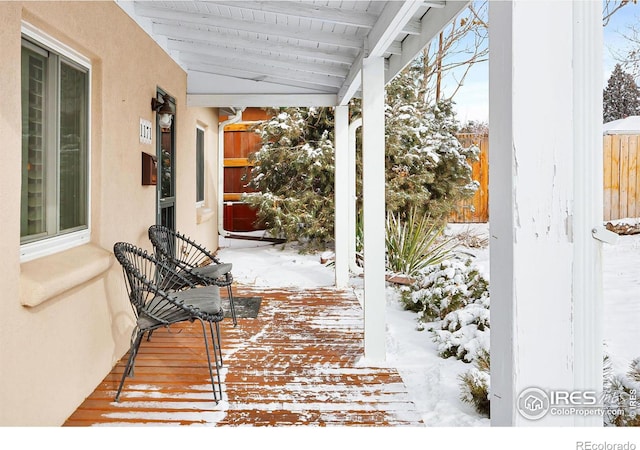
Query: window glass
[73, 161]
[54, 193]
[34, 100]
[166, 165]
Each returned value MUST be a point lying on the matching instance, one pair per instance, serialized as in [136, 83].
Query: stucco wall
[54, 354]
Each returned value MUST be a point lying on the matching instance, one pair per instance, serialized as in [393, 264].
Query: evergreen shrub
[445, 287]
[475, 385]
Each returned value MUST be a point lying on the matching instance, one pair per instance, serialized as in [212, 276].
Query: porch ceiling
[287, 53]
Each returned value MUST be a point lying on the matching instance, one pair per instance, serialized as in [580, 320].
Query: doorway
[166, 188]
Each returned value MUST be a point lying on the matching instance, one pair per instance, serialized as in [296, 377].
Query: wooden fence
[476, 209]
[621, 158]
[621, 176]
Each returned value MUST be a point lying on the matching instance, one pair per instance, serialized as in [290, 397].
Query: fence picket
[607, 144]
[632, 200]
[624, 177]
[621, 182]
[615, 178]
[637, 192]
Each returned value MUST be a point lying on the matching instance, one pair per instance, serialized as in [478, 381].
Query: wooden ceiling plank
[173, 17]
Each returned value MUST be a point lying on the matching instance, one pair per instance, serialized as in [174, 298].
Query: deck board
[297, 363]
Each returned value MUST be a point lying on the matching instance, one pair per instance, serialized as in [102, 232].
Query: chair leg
[232, 306]
[217, 350]
[206, 346]
[219, 343]
[133, 352]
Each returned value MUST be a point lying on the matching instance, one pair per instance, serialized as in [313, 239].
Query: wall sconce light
[164, 110]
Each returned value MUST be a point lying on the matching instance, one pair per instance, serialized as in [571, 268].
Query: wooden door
[240, 140]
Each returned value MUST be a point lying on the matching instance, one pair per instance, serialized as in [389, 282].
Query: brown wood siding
[239, 216]
[254, 114]
[240, 143]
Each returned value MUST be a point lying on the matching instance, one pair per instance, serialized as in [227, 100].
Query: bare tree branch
[629, 57]
[460, 46]
[611, 7]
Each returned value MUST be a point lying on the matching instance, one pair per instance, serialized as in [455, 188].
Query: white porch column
[341, 135]
[351, 179]
[501, 215]
[588, 200]
[373, 186]
[544, 118]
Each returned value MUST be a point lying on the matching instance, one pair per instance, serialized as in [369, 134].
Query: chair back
[147, 281]
[178, 248]
[163, 240]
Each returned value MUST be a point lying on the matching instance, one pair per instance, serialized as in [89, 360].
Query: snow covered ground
[622, 301]
[432, 381]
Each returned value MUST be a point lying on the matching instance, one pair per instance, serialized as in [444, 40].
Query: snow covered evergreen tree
[426, 167]
[475, 127]
[294, 175]
[621, 97]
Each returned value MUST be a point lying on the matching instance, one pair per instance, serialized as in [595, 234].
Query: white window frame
[201, 203]
[55, 244]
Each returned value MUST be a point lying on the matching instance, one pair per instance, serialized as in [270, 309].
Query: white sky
[472, 101]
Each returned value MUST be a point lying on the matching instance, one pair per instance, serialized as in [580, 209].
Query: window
[55, 151]
[199, 166]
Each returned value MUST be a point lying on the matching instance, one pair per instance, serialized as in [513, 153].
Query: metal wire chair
[149, 281]
[194, 261]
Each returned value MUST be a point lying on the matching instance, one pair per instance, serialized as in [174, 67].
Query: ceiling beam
[191, 53]
[273, 75]
[351, 84]
[412, 27]
[259, 47]
[435, 4]
[260, 100]
[391, 22]
[351, 87]
[433, 22]
[258, 82]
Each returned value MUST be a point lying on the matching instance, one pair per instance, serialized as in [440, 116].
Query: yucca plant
[359, 232]
[359, 238]
[415, 242]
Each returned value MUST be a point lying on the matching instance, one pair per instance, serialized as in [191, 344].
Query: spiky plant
[415, 242]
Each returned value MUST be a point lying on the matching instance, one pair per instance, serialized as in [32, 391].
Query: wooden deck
[297, 363]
